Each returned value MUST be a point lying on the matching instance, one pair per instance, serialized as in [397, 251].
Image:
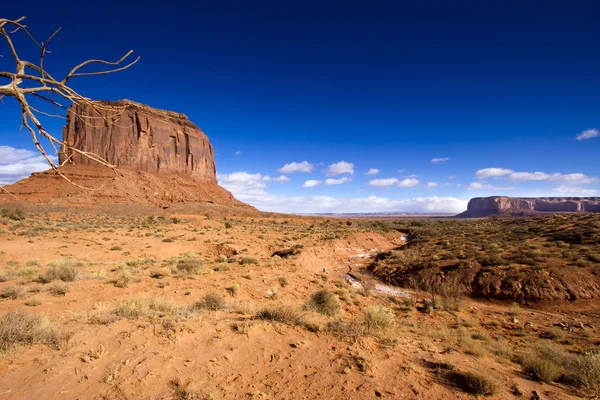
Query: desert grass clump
[475, 383]
[586, 368]
[139, 307]
[283, 281]
[59, 289]
[211, 302]
[283, 314]
[24, 328]
[189, 265]
[546, 362]
[64, 272]
[13, 292]
[378, 317]
[324, 302]
[234, 289]
[124, 276]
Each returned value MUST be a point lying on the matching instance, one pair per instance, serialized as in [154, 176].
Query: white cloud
[492, 173]
[411, 176]
[243, 183]
[383, 182]
[250, 188]
[481, 186]
[311, 183]
[341, 167]
[372, 171]
[409, 182]
[533, 176]
[281, 179]
[16, 164]
[588, 134]
[290, 168]
[431, 184]
[330, 182]
[238, 153]
[575, 191]
[452, 177]
[439, 160]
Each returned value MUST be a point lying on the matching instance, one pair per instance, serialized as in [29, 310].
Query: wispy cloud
[431, 184]
[439, 160]
[408, 182]
[16, 164]
[238, 153]
[330, 181]
[578, 191]
[481, 186]
[588, 134]
[339, 168]
[534, 176]
[384, 182]
[311, 183]
[372, 171]
[279, 179]
[290, 168]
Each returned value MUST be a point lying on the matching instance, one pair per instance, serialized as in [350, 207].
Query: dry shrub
[189, 265]
[124, 276]
[23, 328]
[546, 362]
[13, 292]
[501, 347]
[65, 272]
[134, 308]
[211, 302]
[324, 302]
[59, 290]
[475, 383]
[587, 369]
[378, 317]
[283, 314]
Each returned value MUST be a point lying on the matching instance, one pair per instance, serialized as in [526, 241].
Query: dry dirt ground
[194, 306]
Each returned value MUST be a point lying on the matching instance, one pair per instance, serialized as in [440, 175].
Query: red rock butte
[162, 158]
[513, 206]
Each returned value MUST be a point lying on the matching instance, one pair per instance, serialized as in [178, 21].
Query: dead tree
[31, 80]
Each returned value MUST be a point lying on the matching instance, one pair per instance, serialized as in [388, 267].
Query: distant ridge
[514, 206]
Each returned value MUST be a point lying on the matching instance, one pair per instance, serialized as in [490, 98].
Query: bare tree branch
[36, 82]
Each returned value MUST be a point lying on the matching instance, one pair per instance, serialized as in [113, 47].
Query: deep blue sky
[386, 85]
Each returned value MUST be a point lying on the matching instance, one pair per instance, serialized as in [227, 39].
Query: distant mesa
[515, 206]
[161, 156]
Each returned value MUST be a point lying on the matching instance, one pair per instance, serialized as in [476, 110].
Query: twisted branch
[32, 80]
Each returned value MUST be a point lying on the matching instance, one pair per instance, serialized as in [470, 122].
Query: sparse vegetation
[475, 383]
[325, 302]
[23, 328]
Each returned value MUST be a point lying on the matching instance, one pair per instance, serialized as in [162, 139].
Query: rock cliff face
[162, 158]
[137, 137]
[496, 205]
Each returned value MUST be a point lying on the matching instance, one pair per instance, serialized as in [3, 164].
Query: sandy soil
[228, 353]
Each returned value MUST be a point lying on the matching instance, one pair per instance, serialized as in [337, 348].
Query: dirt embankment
[513, 283]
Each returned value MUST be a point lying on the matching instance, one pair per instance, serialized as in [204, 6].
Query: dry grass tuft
[325, 302]
[13, 292]
[283, 314]
[379, 317]
[139, 307]
[23, 328]
[475, 383]
[211, 302]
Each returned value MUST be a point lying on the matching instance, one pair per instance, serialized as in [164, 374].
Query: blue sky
[499, 89]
